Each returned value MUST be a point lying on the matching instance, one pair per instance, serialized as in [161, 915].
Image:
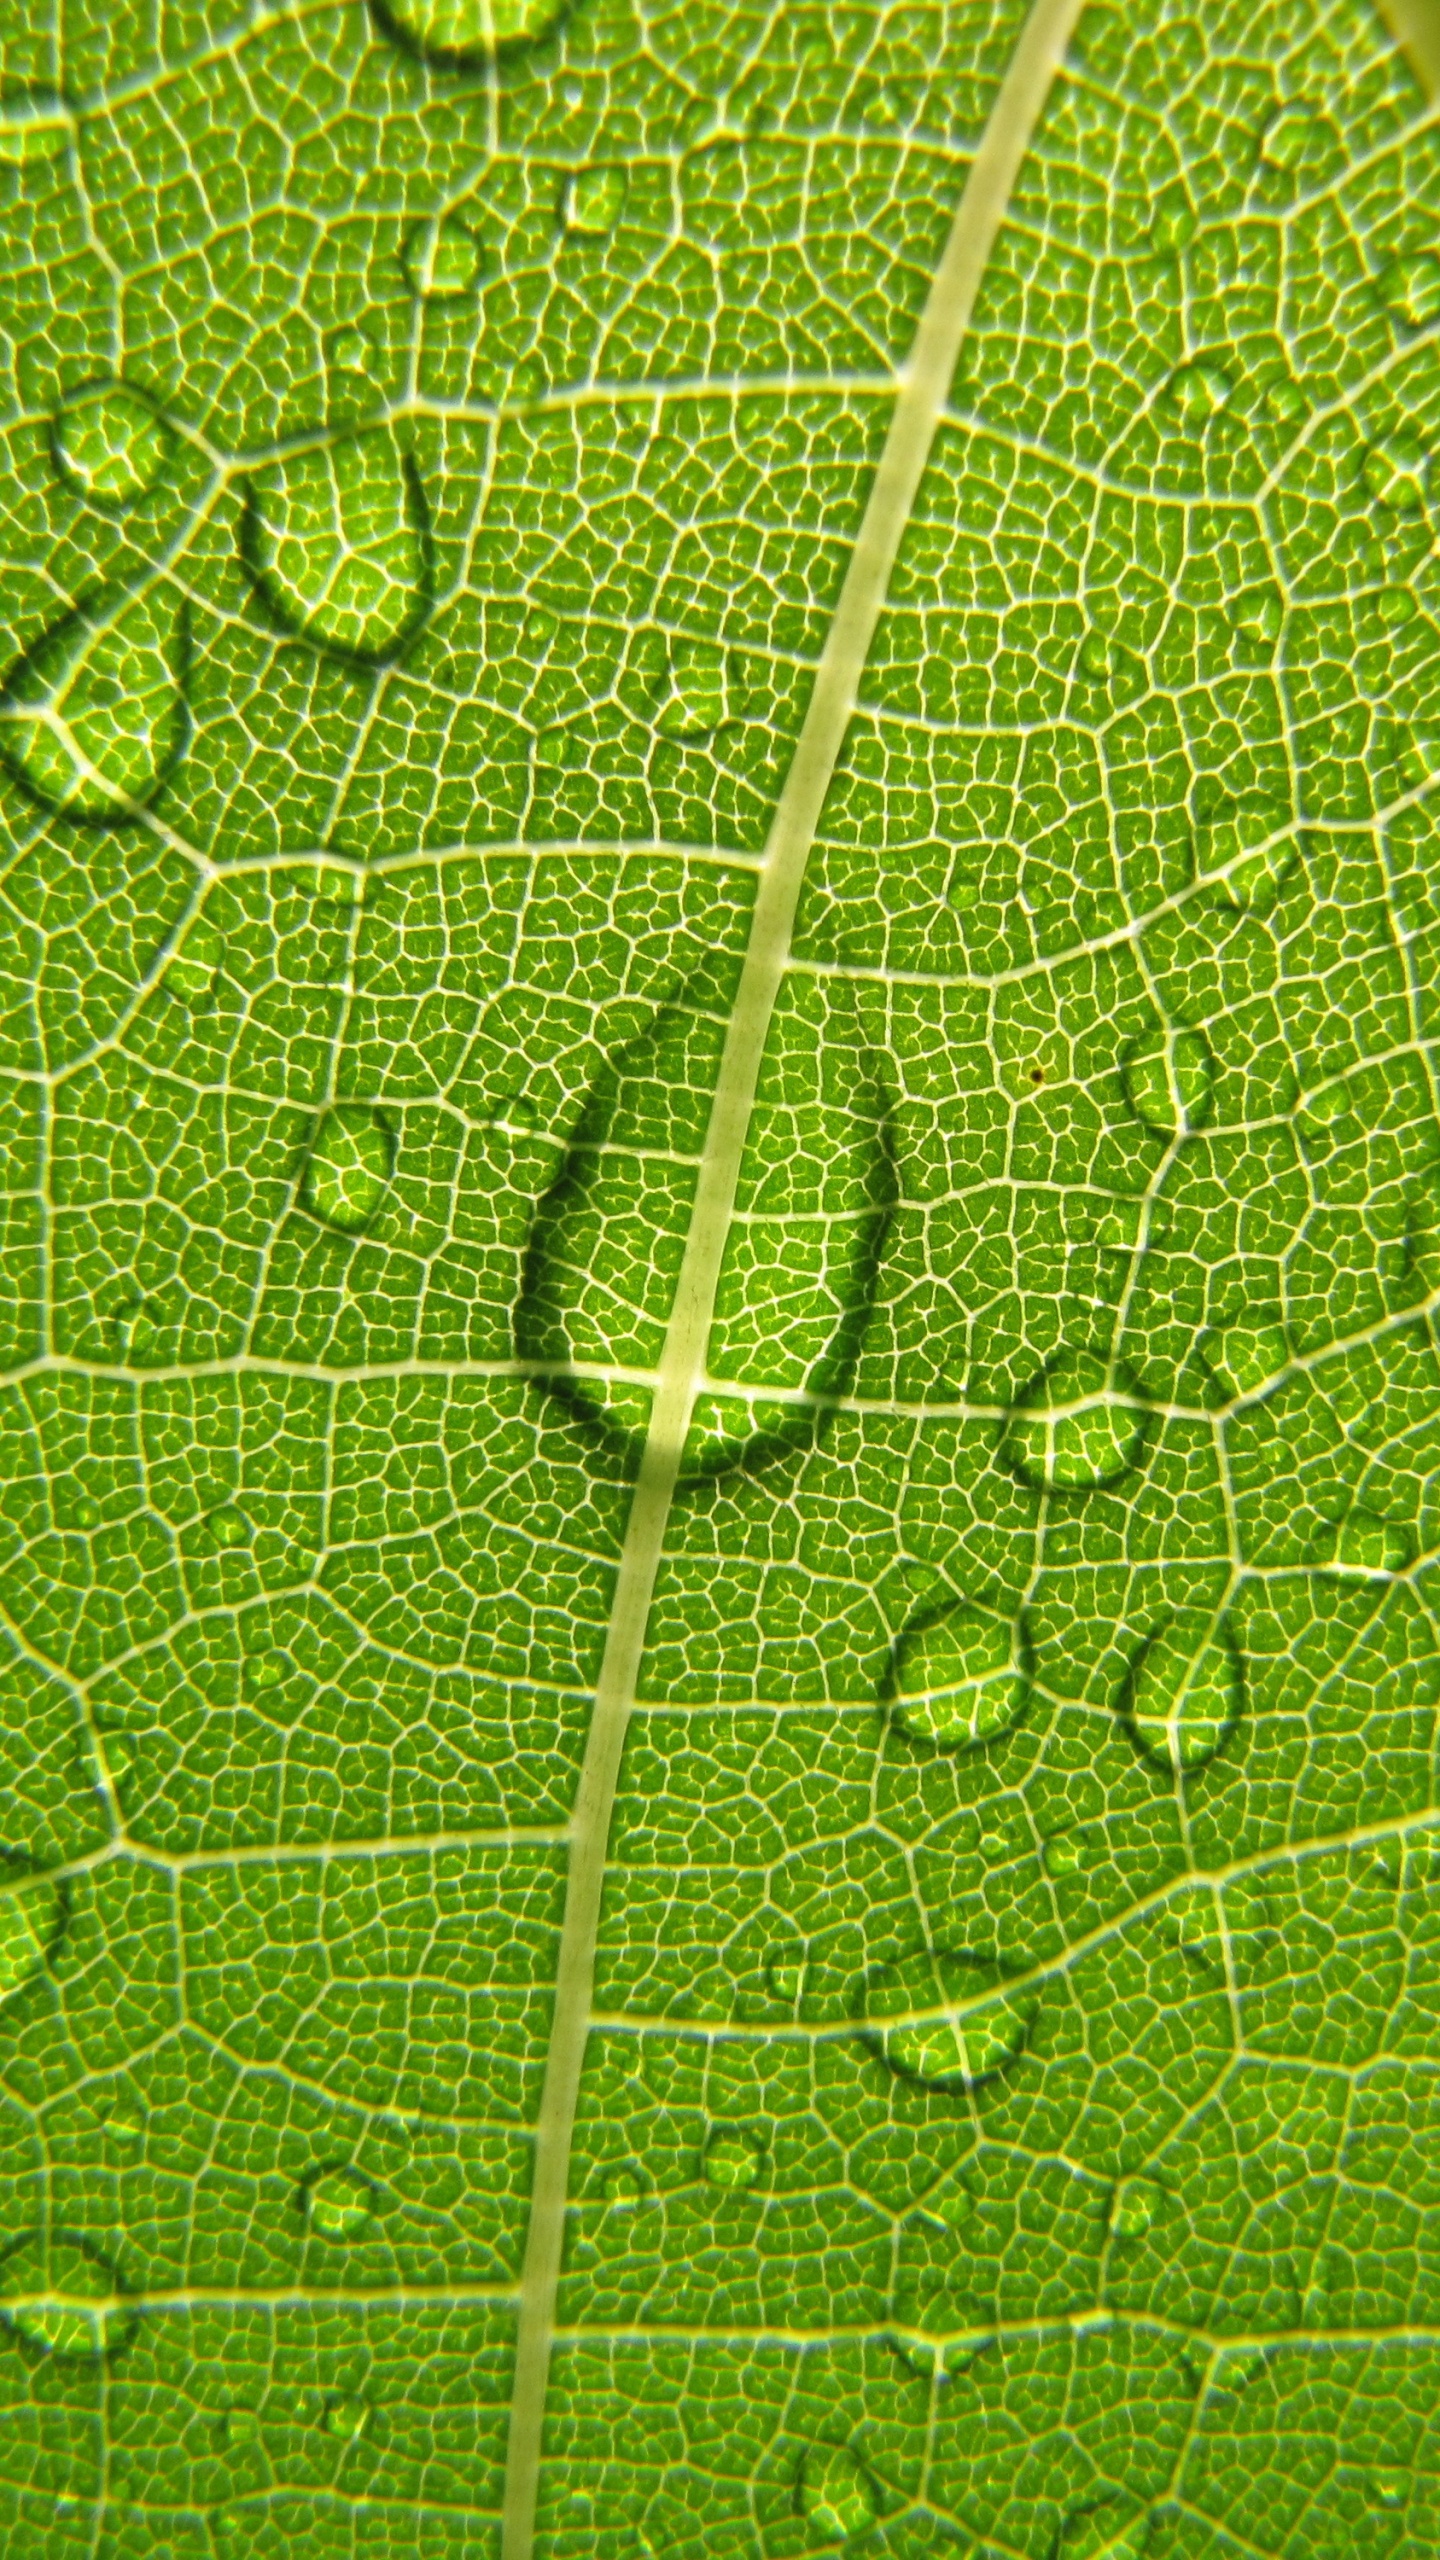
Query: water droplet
[59, 2294]
[34, 125]
[461, 31]
[1075, 1428]
[352, 352]
[1246, 1358]
[109, 444]
[349, 1168]
[696, 701]
[1197, 393]
[339, 2204]
[1168, 1083]
[960, 1679]
[32, 1918]
[950, 2203]
[623, 2188]
[1185, 1695]
[84, 1514]
[266, 1672]
[229, 1527]
[1173, 221]
[1257, 616]
[1239, 2367]
[1387, 2488]
[94, 717]
[242, 2427]
[1367, 1544]
[733, 2159]
[347, 2418]
[785, 1980]
[835, 2493]
[1410, 288]
[124, 2129]
[442, 260]
[1284, 401]
[1079, 1852]
[1136, 2204]
[337, 541]
[959, 2026]
[1394, 473]
[1298, 137]
[593, 201]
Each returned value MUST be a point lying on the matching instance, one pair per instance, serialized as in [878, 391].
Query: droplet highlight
[835, 2493]
[61, 2296]
[1410, 289]
[1395, 474]
[442, 260]
[32, 1921]
[339, 2204]
[961, 1679]
[94, 717]
[1076, 1428]
[733, 2160]
[1168, 1083]
[349, 1168]
[111, 445]
[337, 542]
[1135, 2208]
[1185, 1696]
[463, 31]
[1196, 393]
[593, 202]
[696, 703]
[955, 2024]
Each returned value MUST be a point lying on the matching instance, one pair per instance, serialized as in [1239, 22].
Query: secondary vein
[919, 403]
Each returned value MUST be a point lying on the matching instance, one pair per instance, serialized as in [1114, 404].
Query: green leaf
[718, 1520]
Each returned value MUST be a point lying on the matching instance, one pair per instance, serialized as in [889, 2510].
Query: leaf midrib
[920, 401]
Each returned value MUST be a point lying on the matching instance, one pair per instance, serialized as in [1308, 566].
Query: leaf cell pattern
[979, 2094]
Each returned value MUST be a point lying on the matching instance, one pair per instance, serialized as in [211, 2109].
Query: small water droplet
[1137, 2203]
[1395, 606]
[34, 125]
[59, 2294]
[84, 1514]
[349, 1168]
[351, 352]
[593, 201]
[339, 2204]
[337, 541]
[242, 2427]
[461, 31]
[1387, 2488]
[1185, 1695]
[1394, 473]
[32, 1918]
[961, 1679]
[1197, 393]
[1240, 2367]
[1257, 616]
[1246, 1358]
[124, 2129]
[94, 717]
[1168, 1083]
[1079, 1852]
[733, 2159]
[964, 2026]
[1410, 288]
[1173, 221]
[785, 1980]
[110, 444]
[695, 703]
[266, 1672]
[835, 2493]
[1299, 137]
[1075, 1428]
[1284, 401]
[1367, 1544]
[622, 2188]
[347, 2418]
[442, 260]
[229, 1526]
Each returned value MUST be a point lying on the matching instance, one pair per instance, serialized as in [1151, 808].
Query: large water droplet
[733, 2159]
[1136, 2206]
[349, 1167]
[696, 702]
[1168, 1083]
[442, 260]
[835, 2493]
[1410, 288]
[1367, 1544]
[1394, 473]
[1185, 1694]
[460, 31]
[32, 1920]
[59, 2294]
[339, 2203]
[94, 718]
[593, 201]
[34, 125]
[961, 1679]
[1246, 1358]
[1197, 393]
[110, 444]
[1077, 1427]
[957, 2025]
[337, 541]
